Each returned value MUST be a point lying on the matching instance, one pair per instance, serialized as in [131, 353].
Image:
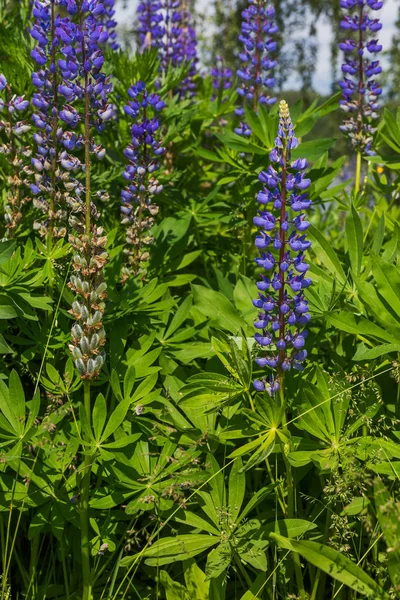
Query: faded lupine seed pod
[12, 109]
[88, 335]
[282, 244]
[361, 91]
[138, 208]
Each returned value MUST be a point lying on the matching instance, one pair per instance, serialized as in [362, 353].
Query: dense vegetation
[137, 459]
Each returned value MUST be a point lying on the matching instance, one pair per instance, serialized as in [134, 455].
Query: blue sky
[322, 77]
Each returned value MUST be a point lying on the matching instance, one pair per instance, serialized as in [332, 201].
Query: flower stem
[84, 508]
[358, 173]
[291, 494]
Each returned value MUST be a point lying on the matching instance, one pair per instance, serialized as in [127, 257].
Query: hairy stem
[358, 172]
[84, 508]
[291, 510]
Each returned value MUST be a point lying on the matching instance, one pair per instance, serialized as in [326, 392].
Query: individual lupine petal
[282, 306]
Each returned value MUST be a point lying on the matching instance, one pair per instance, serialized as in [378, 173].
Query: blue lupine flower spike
[138, 207]
[255, 73]
[360, 89]
[283, 308]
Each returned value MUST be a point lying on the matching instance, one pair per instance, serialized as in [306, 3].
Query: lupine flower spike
[107, 19]
[257, 31]
[221, 77]
[360, 89]
[86, 90]
[283, 308]
[12, 108]
[168, 26]
[138, 208]
[151, 26]
[51, 183]
[189, 51]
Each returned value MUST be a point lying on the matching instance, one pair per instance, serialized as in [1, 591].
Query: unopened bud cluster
[12, 124]
[138, 207]
[88, 336]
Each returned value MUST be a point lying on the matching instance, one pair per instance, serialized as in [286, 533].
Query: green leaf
[169, 550]
[354, 239]
[327, 255]
[17, 399]
[4, 347]
[217, 307]
[388, 512]
[195, 580]
[387, 277]
[332, 562]
[180, 317]
[129, 380]
[173, 589]
[6, 250]
[218, 560]
[314, 149]
[364, 353]
[289, 527]
[189, 518]
[346, 321]
[116, 418]
[99, 416]
[379, 235]
[236, 488]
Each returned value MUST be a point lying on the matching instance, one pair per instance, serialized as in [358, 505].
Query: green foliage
[199, 488]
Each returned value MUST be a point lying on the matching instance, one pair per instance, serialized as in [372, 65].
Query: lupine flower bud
[361, 91]
[283, 308]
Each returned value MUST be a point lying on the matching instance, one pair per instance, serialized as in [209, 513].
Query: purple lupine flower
[221, 77]
[83, 90]
[171, 51]
[283, 308]
[257, 31]
[360, 90]
[12, 112]
[138, 208]
[168, 26]
[151, 29]
[188, 51]
[107, 20]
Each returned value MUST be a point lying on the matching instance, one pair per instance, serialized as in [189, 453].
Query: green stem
[291, 511]
[114, 575]
[84, 509]
[64, 568]
[33, 565]
[358, 173]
